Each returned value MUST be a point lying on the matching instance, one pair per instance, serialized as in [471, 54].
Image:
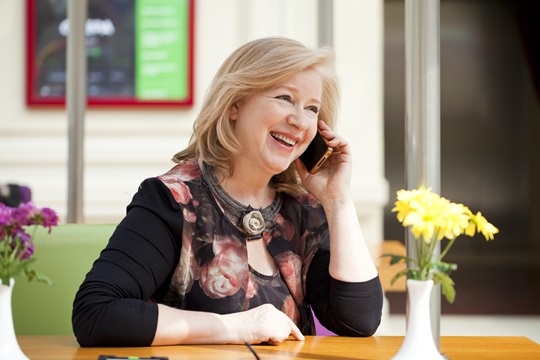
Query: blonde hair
[258, 65]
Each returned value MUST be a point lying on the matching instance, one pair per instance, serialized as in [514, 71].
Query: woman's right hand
[264, 324]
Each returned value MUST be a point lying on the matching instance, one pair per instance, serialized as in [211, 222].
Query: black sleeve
[113, 306]
[347, 309]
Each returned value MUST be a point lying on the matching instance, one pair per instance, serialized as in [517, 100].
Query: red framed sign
[139, 52]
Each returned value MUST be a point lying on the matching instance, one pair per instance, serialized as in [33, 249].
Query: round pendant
[253, 222]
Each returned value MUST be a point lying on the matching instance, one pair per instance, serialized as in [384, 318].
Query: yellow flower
[479, 223]
[424, 212]
[432, 218]
[455, 220]
[407, 201]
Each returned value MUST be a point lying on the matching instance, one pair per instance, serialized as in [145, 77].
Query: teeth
[284, 139]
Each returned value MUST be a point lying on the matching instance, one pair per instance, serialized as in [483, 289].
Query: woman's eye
[284, 97]
[314, 109]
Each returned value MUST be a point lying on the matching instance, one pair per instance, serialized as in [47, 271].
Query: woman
[238, 242]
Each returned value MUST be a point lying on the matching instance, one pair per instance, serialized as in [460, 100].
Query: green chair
[65, 255]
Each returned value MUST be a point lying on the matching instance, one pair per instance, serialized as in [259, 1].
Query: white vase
[9, 347]
[419, 343]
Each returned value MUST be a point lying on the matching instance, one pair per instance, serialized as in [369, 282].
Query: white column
[76, 106]
[325, 23]
[422, 114]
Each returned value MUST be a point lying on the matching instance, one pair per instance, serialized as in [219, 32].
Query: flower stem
[447, 248]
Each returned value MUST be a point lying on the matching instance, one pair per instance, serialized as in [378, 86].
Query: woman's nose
[298, 118]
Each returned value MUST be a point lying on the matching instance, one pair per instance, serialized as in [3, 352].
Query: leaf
[444, 267]
[415, 274]
[398, 275]
[18, 268]
[394, 259]
[38, 276]
[447, 285]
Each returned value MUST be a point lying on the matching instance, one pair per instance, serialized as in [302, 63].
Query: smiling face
[275, 126]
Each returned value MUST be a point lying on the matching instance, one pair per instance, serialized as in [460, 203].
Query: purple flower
[49, 218]
[5, 216]
[28, 251]
[25, 214]
[21, 235]
[16, 245]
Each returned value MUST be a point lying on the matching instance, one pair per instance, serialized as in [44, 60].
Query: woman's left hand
[332, 181]
[350, 259]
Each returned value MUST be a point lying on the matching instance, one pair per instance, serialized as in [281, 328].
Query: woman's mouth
[287, 141]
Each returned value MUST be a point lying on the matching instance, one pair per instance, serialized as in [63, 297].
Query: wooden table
[314, 347]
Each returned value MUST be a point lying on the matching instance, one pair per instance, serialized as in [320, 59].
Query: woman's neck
[249, 188]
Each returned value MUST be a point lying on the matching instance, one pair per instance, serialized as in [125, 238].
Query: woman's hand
[264, 324]
[332, 181]
[350, 260]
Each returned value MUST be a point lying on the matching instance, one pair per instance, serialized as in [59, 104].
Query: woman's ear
[233, 113]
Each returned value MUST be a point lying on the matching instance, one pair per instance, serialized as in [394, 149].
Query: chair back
[65, 255]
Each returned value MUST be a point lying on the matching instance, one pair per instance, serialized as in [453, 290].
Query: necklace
[253, 221]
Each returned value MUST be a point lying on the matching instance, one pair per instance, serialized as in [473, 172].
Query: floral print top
[213, 272]
[176, 247]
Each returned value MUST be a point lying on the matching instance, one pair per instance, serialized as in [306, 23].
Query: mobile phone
[316, 153]
[112, 357]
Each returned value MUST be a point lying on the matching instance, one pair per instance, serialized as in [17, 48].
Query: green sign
[161, 49]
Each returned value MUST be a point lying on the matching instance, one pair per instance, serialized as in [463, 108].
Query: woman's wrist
[234, 325]
[338, 204]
